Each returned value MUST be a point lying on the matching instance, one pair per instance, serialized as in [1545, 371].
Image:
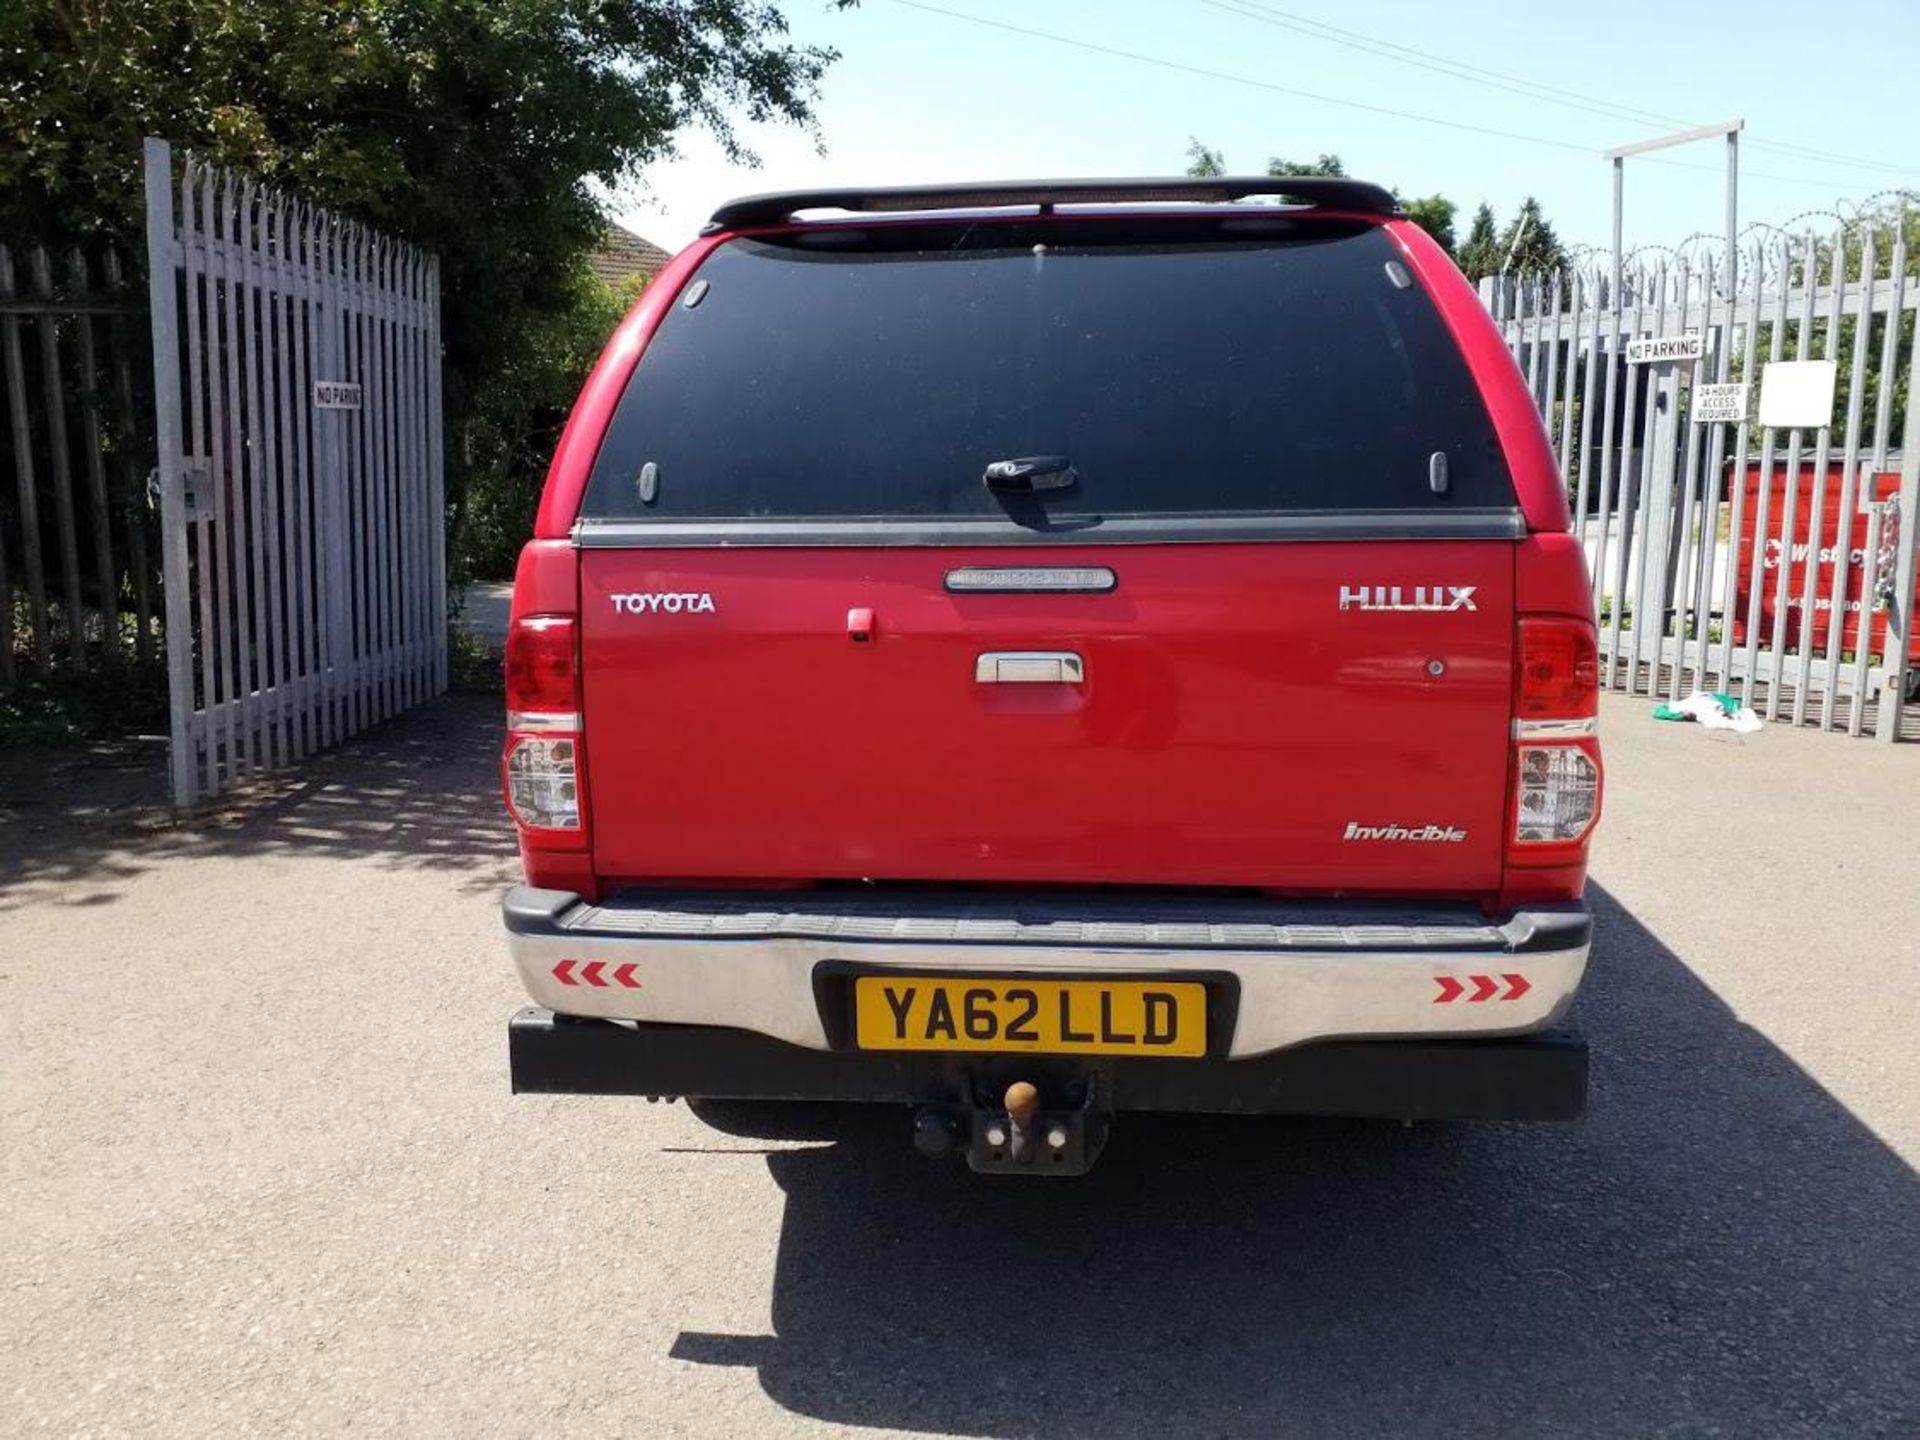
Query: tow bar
[1018, 1136]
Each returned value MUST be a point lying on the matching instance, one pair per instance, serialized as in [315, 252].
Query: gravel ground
[261, 1172]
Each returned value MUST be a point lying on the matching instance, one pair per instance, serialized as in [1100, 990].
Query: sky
[938, 90]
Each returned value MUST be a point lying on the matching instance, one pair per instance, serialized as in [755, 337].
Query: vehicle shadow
[1720, 1247]
[420, 791]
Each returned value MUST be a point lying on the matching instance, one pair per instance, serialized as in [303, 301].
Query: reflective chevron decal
[1484, 988]
[593, 973]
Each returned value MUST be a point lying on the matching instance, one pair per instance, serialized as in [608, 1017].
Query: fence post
[14, 365]
[1658, 505]
[132, 481]
[331, 512]
[436, 489]
[1900, 616]
[89, 360]
[64, 525]
[157, 157]
[6, 616]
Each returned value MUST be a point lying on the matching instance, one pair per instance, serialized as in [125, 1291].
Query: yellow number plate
[1065, 1017]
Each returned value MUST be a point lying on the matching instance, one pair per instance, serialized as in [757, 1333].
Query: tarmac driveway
[259, 1169]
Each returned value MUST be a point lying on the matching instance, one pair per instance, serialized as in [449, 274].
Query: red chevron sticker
[1485, 987]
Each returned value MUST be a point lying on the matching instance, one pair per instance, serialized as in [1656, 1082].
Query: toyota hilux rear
[1038, 651]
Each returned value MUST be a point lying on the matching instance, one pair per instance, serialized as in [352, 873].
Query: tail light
[1556, 755]
[544, 768]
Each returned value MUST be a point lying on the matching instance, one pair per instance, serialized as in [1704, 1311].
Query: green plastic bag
[1728, 706]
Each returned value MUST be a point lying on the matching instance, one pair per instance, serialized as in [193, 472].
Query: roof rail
[779, 206]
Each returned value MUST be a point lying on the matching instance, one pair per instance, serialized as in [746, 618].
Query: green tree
[489, 131]
[1480, 254]
[1884, 221]
[1528, 244]
[1203, 162]
[1328, 165]
[1433, 214]
[515, 413]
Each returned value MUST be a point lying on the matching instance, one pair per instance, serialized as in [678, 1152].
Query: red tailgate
[1233, 724]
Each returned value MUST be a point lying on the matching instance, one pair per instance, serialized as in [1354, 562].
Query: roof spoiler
[780, 206]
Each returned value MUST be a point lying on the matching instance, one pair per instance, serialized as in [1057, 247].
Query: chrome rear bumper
[1300, 972]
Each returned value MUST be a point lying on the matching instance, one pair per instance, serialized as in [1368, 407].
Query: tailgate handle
[1029, 667]
[1027, 473]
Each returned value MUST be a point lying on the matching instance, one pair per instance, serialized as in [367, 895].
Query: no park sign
[1690, 346]
[1724, 403]
[336, 395]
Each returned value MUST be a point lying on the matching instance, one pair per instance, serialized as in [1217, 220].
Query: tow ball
[1019, 1136]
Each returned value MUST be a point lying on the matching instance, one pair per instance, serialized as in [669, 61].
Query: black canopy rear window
[1182, 368]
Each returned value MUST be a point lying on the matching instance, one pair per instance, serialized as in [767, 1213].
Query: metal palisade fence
[1744, 467]
[296, 362]
[73, 515]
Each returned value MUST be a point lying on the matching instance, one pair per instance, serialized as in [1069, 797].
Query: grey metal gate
[1773, 561]
[296, 360]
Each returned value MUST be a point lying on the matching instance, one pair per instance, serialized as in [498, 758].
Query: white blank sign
[1797, 393]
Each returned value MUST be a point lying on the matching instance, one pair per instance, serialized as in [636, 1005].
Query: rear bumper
[1539, 1077]
[1287, 974]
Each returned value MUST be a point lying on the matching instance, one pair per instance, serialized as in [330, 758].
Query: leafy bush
[473, 665]
[67, 707]
[488, 131]
[516, 416]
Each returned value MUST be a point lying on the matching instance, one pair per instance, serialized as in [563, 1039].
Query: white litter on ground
[1714, 711]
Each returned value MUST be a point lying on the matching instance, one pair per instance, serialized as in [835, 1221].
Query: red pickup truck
[1033, 652]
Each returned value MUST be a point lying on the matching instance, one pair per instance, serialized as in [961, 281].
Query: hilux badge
[673, 602]
[1407, 597]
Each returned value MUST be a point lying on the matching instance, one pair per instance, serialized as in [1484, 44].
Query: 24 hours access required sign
[1724, 404]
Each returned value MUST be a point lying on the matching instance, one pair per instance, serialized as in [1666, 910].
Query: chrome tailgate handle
[1029, 667]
